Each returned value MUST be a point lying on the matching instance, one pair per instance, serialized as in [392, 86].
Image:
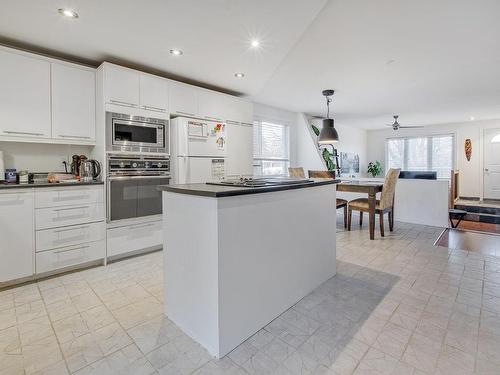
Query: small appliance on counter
[10, 175]
[89, 170]
[22, 177]
[75, 164]
[2, 167]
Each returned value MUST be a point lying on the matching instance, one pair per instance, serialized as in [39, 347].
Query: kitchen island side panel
[191, 266]
[274, 249]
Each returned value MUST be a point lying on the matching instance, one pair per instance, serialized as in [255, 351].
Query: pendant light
[328, 133]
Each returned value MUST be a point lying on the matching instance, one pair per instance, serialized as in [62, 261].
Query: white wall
[37, 157]
[471, 176]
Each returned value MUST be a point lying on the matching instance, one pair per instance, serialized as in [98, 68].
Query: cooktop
[261, 182]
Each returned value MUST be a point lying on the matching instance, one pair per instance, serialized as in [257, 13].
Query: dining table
[368, 187]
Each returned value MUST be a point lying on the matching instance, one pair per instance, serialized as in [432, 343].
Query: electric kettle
[89, 170]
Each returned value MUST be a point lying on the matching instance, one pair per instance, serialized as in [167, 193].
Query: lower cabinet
[131, 238]
[51, 260]
[16, 234]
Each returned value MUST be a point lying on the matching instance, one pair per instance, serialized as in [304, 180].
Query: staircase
[480, 212]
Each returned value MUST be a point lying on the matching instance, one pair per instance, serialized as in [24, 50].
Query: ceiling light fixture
[176, 52]
[328, 133]
[68, 13]
[239, 75]
[472, 118]
[255, 43]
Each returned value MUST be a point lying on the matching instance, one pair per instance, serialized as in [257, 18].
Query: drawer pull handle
[185, 113]
[70, 197]
[142, 226]
[73, 249]
[123, 103]
[154, 108]
[70, 229]
[71, 208]
[73, 136]
[22, 133]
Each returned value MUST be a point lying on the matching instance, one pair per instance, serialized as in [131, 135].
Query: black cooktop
[262, 182]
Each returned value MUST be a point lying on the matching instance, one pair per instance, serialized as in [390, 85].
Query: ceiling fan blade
[410, 127]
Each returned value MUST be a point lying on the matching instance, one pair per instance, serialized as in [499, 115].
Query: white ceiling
[430, 61]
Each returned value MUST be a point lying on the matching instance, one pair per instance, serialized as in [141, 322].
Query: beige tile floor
[398, 305]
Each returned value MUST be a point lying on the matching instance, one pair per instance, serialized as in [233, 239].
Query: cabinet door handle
[247, 124]
[154, 108]
[73, 136]
[122, 103]
[22, 133]
[70, 229]
[73, 249]
[212, 118]
[232, 122]
[185, 113]
[71, 208]
[142, 226]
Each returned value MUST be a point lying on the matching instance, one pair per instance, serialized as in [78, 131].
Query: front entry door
[492, 164]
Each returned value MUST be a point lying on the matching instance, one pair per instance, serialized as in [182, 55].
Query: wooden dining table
[370, 188]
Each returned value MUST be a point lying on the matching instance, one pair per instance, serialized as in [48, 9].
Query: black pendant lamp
[328, 133]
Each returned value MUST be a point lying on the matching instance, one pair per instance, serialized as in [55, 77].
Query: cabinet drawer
[55, 197]
[134, 237]
[62, 216]
[69, 256]
[59, 237]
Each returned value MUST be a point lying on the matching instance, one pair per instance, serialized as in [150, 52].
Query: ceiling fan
[396, 125]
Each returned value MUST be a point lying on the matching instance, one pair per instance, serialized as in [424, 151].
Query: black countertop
[4, 185]
[219, 191]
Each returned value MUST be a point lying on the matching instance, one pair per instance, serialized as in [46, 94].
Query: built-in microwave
[125, 133]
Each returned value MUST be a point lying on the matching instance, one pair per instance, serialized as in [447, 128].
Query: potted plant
[374, 168]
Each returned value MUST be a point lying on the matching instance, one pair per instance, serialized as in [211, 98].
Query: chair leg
[345, 216]
[381, 223]
[391, 219]
[349, 219]
[360, 218]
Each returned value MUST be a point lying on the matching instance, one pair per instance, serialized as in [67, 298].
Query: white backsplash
[37, 157]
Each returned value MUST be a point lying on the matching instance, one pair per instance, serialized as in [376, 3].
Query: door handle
[486, 169]
[22, 133]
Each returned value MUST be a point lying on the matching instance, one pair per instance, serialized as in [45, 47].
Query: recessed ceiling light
[68, 13]
[176, 52]
[239, 75]
[255, 43]
[472, 118]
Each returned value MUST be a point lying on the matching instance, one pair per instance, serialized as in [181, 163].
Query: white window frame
[259, 157]
[429, 150]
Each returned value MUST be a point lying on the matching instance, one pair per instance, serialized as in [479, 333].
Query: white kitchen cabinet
[211, 105]
[16, 234]
[24, 96]
[121, 85]
[153, 93]
[239, 149]
[183, 100]
[122, 240]
[238, 110]
[73, 103]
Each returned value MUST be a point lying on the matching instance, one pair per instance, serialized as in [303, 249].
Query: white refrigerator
[198, 150]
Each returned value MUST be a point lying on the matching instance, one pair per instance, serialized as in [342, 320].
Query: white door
[24, 96]
[492, 163]
[239, 149]
[154, 93]
[183, 100]
[16, 233]
[121, 85]
[73, 103]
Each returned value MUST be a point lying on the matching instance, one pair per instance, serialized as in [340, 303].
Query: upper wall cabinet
[212, 105]
[73, 102]
[238, 110]
[153, 93]
[121, 85]
[183, 100]
[24, 96]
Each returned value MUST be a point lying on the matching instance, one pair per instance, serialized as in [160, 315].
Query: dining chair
[296, 172]
[385, 204]
[341, 203]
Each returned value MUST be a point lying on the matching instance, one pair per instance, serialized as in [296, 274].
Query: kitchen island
[237, 257]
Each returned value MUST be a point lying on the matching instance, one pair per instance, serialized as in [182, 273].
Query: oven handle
[114, 178]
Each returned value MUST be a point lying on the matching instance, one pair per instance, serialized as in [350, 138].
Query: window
[270, 148]
[432, 153]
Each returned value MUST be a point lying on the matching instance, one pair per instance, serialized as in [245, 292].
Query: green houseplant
[374, 168]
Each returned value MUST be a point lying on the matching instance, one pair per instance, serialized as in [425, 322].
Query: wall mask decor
[468, 148]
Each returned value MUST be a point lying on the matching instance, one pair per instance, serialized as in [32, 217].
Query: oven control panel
[138, 165]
